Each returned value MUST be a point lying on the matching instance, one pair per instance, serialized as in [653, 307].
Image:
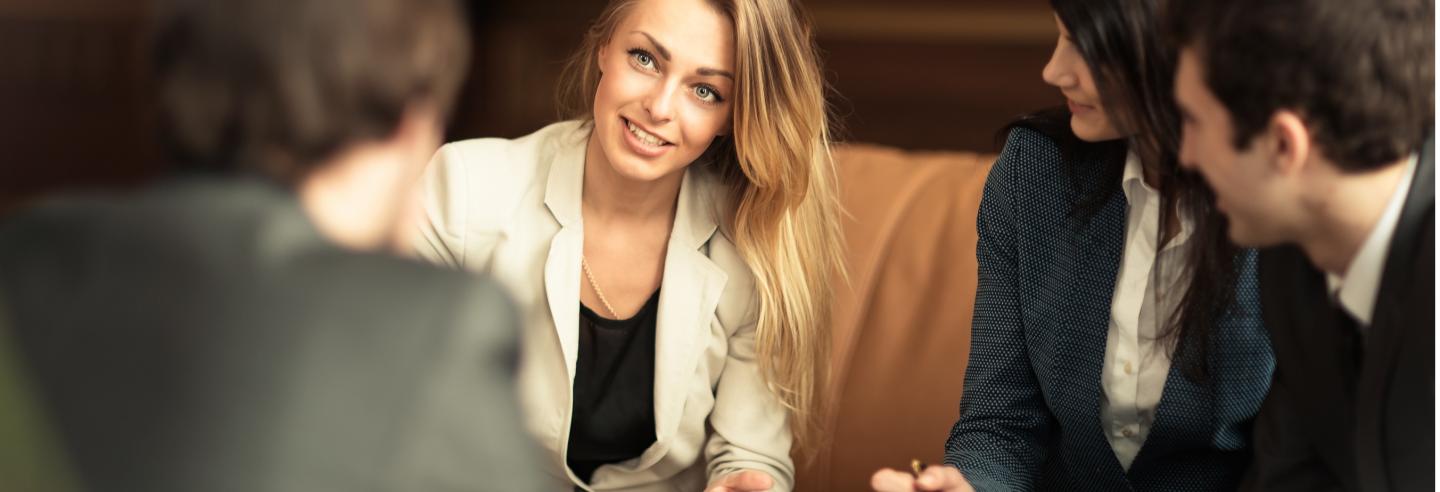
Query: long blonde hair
[777, 169]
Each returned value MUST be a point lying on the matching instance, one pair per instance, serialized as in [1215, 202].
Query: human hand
[742, 481]
[934, 478]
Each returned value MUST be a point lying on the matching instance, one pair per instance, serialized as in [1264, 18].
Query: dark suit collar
[1416, 218]
[1394, 302]
[1406, 248]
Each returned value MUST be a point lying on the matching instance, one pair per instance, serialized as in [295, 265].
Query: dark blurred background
[76, 112]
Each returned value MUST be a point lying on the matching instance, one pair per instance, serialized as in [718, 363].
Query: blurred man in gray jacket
[250, 329]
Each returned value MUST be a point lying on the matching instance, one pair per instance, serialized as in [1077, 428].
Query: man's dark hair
[278, 86]
[1361, 73]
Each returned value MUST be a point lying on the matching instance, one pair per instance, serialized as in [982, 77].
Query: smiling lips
[1077, 108]
[643, 142]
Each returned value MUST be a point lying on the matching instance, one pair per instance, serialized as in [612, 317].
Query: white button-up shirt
[1357, 289]
[1148, 288]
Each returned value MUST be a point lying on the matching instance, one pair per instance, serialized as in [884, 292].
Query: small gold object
[917, 467]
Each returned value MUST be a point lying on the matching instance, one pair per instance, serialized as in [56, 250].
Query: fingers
[743, 481]
[941, 477]
[750, 480]
[888, 480]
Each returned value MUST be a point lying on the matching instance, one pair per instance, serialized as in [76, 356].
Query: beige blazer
[511, 209]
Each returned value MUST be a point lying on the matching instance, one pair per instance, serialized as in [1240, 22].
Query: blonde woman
[673, 247]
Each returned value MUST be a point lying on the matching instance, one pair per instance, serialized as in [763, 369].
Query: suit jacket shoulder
[207, 328]
[497, 172]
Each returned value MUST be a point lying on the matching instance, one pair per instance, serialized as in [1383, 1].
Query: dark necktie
[1352, 346]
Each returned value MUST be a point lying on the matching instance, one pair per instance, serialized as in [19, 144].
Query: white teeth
[645, 137]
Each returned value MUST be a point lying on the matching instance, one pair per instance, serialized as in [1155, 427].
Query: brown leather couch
[902, 325]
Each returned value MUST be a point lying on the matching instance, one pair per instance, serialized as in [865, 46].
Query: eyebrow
[665, 54]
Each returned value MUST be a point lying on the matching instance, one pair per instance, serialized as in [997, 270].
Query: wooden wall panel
[922, 74]
[76, 110]
[74, 102]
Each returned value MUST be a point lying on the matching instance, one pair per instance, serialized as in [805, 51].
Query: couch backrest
[902, 325]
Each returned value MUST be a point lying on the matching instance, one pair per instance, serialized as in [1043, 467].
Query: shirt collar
[1138, 193]
[1133, 179]
[1356, 290]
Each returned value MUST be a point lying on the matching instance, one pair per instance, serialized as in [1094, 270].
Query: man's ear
[1288, 139]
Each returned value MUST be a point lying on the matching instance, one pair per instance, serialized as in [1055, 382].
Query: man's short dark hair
[278, 86]
[1361, 73]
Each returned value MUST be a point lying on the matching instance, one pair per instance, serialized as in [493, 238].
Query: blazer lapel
[1314, 329]
[1100, 246]
[690, 290]
[1185, 414]
[562, 266]
[1386, 334]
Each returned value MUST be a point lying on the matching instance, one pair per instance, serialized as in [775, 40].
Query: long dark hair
[1134, 69]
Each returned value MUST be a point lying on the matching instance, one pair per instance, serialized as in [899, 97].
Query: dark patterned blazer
[1030, 410]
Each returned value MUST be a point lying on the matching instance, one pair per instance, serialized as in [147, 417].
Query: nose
[660, 102]
[1057, 71]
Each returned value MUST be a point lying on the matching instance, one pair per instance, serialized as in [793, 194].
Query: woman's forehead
[693, 32]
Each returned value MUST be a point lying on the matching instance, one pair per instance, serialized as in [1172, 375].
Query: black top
[614, 405]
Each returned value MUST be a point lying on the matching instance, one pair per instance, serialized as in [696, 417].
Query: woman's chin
[630, 168]
[1085, 130]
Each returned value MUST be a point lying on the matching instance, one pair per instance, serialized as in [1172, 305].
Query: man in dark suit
[254, 331]
[1312, 121]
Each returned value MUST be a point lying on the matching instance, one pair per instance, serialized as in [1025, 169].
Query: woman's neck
[608, 197]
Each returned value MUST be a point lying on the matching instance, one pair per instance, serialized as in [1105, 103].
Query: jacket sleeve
[999, 441]
[750, 430]
[440, 236]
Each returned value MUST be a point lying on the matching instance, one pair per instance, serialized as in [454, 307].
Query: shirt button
[1129, 369]
[1127, 433]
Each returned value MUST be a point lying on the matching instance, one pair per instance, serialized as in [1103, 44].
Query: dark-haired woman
[1117, 339]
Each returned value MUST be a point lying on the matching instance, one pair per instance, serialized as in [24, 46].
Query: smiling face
[1067, 70]
[667, 76]
[1257, 196]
